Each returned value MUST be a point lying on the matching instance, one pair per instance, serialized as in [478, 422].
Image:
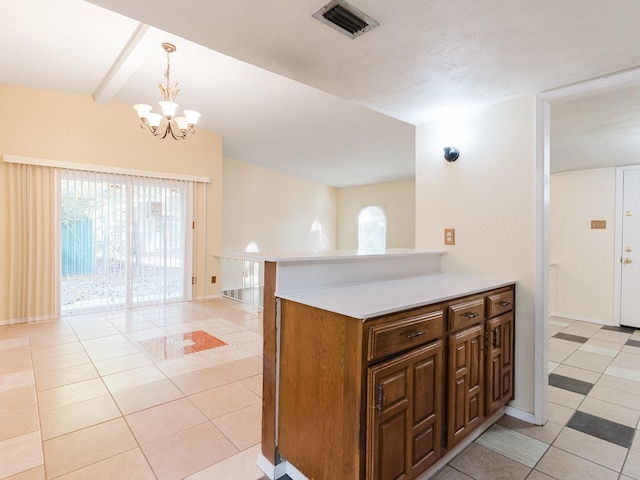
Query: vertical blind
[123, 240]
[32, 276]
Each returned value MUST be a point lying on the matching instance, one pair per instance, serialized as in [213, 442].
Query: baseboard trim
[520, 414]
[14, 321]
[270, 470]
[581, 318]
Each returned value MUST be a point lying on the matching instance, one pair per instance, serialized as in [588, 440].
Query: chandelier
[167, 123]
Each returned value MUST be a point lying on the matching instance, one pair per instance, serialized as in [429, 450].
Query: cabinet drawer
[465, 314]
[499, 303]
[399, 335]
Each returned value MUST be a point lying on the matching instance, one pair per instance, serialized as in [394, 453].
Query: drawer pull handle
[413, 335]
[504, 304]
[380, 388]
[471, 315]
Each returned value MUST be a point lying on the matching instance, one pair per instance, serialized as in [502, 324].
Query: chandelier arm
[175, 135]
[145, 124]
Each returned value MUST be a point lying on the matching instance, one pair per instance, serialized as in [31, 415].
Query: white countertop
[372, 299]
[328, 255]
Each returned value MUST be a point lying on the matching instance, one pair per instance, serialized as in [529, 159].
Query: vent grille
[345, 18]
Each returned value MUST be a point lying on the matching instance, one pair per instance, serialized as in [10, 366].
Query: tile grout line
[100, 376]
[122, 415]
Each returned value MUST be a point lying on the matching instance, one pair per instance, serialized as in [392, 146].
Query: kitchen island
[376, 365]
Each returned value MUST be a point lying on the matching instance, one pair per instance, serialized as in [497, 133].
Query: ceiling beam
[130, 58]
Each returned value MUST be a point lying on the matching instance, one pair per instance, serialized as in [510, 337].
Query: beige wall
[274, 210]
[582, 259]
[71, 127]
[398, 201]
[488, 196]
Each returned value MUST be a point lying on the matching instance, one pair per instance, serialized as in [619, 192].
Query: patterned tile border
[571, 384]
[619, 329]
[571, 338]
[601, 428]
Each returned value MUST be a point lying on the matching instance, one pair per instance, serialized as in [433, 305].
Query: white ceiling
[600, 130]
[321, 106]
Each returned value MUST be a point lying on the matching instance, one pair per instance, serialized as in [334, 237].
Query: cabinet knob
[627, 261]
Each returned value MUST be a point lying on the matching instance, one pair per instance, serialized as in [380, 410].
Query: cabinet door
[499, 362]
[404, 417]
[466, 383]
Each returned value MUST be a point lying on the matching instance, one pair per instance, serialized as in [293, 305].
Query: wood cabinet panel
[499, 361]
[404, 421]
[428, 398]
[500, 302]
[269, 355]
[466, 313]
[393, 337]
[466, 383]
[321, 417]
[391, 434]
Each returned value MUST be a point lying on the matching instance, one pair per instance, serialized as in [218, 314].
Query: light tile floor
[80, 399]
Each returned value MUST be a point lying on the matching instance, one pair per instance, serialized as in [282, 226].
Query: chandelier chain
[169, 93]
[167, 73]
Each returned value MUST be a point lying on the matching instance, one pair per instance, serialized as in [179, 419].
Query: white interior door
[630, 275]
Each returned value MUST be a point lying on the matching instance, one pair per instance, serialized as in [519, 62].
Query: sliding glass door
[123, 239]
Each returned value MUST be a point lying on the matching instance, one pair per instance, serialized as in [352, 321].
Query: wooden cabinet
[466, 383]
[499, 361]
[384, 398]
[321, 416]
[404, 421]
[500, 338]
[480, 362]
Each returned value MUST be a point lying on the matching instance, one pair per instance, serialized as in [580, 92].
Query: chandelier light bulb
[168, 109]
[192, 117]
[155, 119]
[143, 110]
[182, 123]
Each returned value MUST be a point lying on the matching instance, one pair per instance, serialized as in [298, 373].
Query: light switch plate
[449, 236]
[598, 224]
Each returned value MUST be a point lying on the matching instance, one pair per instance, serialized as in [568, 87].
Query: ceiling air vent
[345, 18]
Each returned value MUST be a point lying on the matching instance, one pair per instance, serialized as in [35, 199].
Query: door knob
[627, 261]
